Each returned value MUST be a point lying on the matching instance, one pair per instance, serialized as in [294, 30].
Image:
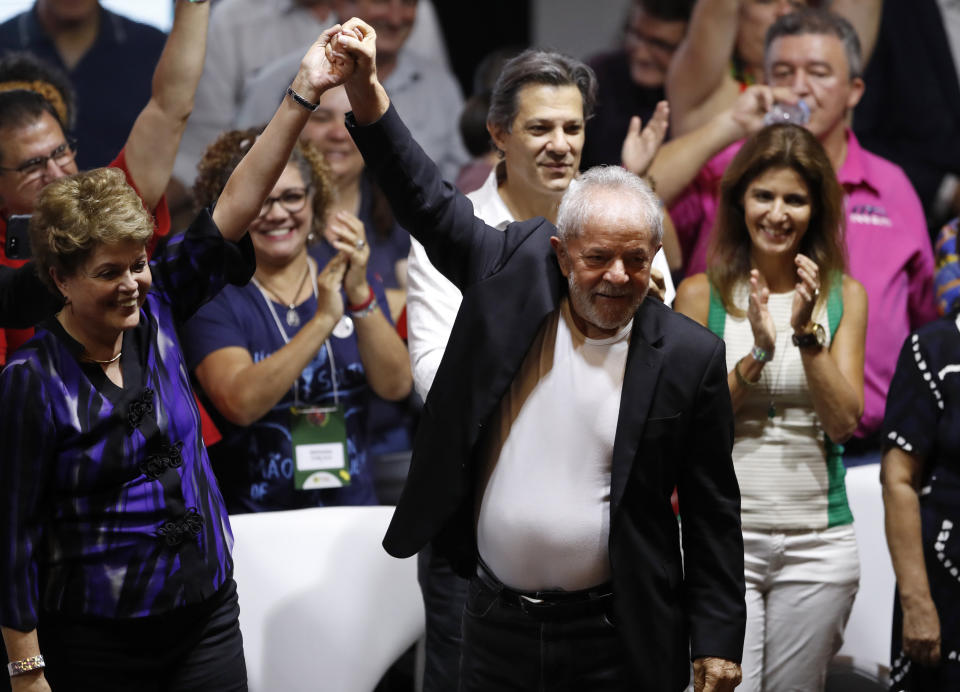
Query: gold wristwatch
[813, 336]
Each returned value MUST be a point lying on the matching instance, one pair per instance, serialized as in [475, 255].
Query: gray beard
[581, 304]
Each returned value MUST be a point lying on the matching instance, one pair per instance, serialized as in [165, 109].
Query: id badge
[319, 438]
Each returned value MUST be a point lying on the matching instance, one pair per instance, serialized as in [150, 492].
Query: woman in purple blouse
[116, 569]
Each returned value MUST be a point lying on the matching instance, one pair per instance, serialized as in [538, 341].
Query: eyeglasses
[33, 168]
[663, 47]
[292, 200]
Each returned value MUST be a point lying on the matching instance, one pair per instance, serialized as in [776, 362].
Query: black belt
[550, 605]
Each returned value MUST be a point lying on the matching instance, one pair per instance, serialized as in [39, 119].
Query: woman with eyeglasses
[290, 361]
[116, 571]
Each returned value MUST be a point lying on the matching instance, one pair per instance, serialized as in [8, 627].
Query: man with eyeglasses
[632, 78]
[35, 150]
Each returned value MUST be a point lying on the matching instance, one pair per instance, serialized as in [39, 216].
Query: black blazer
[675, 426]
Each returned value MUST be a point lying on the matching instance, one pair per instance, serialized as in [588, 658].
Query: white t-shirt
[544, 494]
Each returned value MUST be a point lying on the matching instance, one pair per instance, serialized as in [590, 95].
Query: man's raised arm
[355, 48]
[462, 247]
[153, 142]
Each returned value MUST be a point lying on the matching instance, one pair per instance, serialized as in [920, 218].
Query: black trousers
[505, 648]
[444, 593]
[193, 648]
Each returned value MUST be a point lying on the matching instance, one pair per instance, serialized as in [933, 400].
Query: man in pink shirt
[814, 56]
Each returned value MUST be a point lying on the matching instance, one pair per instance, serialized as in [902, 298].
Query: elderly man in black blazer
[566, 409]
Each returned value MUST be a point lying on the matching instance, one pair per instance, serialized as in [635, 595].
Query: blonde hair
[74, 215]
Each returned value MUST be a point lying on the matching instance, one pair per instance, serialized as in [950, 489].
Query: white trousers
[800, 589]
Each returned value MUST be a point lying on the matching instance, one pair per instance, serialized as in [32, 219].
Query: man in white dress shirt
[537, 115]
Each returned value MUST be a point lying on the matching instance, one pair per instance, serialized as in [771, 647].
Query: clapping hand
[657, 286]
[640, 146]
[758, 313]
[349, 239]
[329, 300]
[807, 290]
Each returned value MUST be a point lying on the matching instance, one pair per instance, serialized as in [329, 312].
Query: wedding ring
[360, 243]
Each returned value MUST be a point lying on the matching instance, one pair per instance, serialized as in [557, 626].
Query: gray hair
[577, 203]
[813, 20]
[534, 66]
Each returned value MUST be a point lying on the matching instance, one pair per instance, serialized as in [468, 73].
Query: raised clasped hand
[318, 72]
[353, 50]
[758, 313]
[807, 291]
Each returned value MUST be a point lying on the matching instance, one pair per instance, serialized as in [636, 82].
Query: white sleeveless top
[788, 480]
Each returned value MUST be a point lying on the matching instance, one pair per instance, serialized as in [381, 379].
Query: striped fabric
[110, 507]
[791, 476]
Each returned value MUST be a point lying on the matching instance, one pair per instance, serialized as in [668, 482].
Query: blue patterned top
[255, 463]
[110, 507]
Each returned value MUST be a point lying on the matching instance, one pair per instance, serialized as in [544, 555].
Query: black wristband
[302, 101]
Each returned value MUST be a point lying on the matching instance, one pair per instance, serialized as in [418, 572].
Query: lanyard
[286, 340]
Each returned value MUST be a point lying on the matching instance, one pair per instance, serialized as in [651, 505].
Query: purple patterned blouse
[109, 506]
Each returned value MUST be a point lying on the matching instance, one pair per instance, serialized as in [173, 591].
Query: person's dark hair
[20, 70]
[817, 21]
[774, 147]
[473, 125]
[19, 108]
[28, 89]
[667, 10]
[488, 70]
[222, 157]
[534, 66]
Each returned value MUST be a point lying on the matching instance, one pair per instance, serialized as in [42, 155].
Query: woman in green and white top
[794, 326]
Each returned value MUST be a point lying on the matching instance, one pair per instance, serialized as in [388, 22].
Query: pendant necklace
[292, 318]
[774, 383]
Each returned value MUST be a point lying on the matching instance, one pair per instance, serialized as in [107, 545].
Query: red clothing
[12, 339]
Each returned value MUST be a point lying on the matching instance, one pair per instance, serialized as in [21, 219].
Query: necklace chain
[291, 304]
[108, 361]
[293, 319]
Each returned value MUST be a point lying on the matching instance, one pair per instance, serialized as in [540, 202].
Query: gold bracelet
[741, 379]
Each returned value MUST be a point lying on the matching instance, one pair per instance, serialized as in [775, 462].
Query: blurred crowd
[284, 363]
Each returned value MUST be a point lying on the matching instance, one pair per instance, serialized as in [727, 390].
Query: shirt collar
[32, 32]
[487, 195]
[855, 171]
